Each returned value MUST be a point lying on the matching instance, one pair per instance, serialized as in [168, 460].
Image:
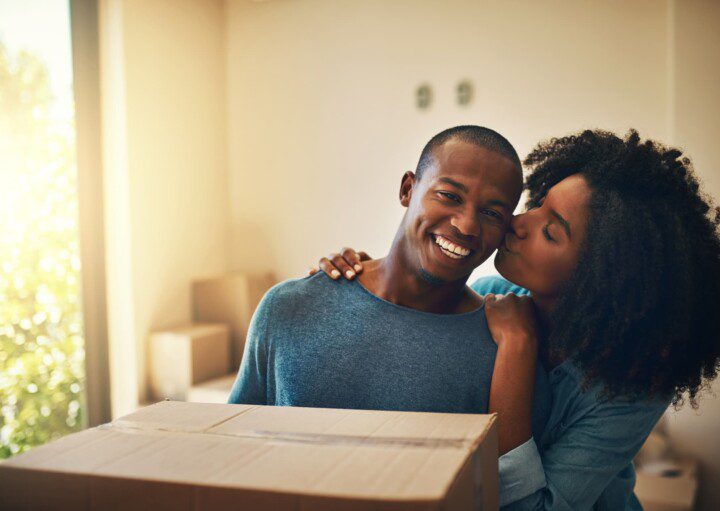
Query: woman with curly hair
[612, 279]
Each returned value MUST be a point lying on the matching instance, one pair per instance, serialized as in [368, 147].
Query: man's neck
[390, 279]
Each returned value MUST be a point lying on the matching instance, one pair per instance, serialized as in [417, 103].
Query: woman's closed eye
[546, 233]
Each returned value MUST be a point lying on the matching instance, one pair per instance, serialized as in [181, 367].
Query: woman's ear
[406, 187]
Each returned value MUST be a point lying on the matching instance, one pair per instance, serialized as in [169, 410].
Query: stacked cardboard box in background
[231, 299]
[667, 486]
[665, 481]
[199, 362]
[212, 391]
[184, 356]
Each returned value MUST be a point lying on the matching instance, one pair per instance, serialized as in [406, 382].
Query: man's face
[459, 210]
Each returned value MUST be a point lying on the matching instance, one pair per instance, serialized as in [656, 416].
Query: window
[42, 347]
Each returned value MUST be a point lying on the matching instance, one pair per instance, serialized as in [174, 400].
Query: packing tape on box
[294, 437]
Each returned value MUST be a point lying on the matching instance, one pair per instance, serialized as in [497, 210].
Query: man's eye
[450, 196]
[546, 232]
[492, 213]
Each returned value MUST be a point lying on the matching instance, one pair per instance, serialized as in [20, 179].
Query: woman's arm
[512, 324]
[596, 442]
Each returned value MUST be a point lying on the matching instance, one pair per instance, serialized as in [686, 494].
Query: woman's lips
[504, 246]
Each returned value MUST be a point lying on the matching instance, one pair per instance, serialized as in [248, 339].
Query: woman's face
[542, 246]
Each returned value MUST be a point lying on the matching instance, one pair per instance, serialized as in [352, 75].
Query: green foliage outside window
[41, 336]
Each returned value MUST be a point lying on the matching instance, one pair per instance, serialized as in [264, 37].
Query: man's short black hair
[477, 135]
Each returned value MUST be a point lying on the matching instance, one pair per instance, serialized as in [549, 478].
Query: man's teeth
[450, 249]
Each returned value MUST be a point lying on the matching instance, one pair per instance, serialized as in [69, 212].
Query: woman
[620, 253]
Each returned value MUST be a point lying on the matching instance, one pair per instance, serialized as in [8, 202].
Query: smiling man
[408, 334]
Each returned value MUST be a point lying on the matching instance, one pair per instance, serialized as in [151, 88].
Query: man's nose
[467, 223]
[518, 225]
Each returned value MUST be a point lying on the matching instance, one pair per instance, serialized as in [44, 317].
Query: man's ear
[406, 187]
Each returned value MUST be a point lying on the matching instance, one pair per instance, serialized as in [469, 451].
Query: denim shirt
[583, 459]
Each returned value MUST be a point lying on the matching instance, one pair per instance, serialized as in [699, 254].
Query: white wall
[321, 116]
[166, 172]
[696, 128]
[317, 97]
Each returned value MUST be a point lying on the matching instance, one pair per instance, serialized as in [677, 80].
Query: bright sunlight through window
[41, 332]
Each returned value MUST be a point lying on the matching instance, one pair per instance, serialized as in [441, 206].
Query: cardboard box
[667, 485]
[212, 391]
[194, 456]
[184, 356]
[232, 300]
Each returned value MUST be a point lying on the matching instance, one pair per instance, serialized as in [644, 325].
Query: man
[408, 334]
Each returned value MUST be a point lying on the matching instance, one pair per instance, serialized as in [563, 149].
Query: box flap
[179, 416]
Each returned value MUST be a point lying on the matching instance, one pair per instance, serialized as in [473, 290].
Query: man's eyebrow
[454, 183]
[562, 221]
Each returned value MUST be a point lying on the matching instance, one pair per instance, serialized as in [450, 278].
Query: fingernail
[334, 274]
[358, 268]
[349, 274]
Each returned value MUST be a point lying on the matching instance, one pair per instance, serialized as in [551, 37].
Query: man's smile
[452, 249]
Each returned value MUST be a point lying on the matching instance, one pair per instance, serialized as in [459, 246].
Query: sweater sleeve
[250, 386]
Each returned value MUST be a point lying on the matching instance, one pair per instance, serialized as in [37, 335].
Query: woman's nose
[518, 225]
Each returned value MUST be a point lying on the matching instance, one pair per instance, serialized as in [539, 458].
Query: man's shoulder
[305, 290]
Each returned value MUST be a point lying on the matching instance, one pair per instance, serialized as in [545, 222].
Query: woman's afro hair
[641, 313]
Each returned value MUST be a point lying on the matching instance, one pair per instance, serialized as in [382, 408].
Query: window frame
[84, 29]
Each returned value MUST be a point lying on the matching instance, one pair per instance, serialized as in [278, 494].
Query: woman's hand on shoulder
[512, 321]
[347, 263]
